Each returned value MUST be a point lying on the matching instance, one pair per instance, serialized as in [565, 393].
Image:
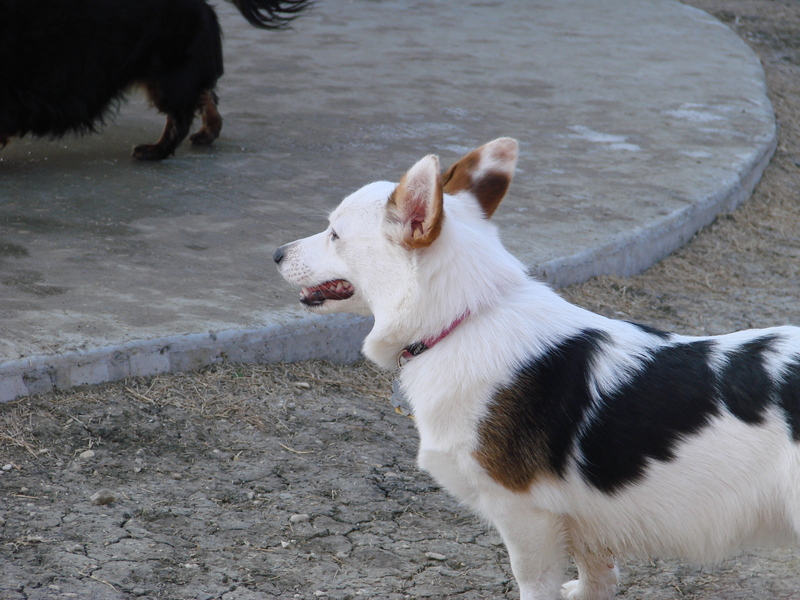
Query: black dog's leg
[212, 121]
[175, 131]
[183, 83]
[180, 115]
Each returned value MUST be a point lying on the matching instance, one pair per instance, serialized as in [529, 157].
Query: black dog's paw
[204, 137]
[151, 152]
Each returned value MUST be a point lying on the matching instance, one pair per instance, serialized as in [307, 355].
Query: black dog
[65, 64]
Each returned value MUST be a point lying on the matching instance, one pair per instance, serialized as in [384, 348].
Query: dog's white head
[415, 254]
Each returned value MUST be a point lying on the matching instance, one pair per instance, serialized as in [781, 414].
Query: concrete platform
[639, 120]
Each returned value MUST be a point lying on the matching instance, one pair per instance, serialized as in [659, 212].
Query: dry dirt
[298, 481]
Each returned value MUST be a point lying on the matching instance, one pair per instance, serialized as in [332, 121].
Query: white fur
[730, 485]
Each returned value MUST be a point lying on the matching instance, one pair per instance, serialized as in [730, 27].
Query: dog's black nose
[277, 256]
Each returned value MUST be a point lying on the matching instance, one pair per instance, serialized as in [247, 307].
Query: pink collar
[418, 348]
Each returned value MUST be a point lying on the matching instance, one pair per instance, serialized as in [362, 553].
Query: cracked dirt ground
[238, 483]
[299, 481]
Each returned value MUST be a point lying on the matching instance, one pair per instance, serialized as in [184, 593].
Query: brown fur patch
[489, 189]
[458, 177]
[175, 129]
[512, 455]
[212, 120]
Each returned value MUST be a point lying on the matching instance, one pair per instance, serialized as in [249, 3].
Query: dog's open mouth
[338, 289]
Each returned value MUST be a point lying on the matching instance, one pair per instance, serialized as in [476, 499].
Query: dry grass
[228, 391]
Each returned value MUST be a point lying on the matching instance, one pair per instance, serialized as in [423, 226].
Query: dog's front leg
[537, 548]
[175, 131]
[597, 572]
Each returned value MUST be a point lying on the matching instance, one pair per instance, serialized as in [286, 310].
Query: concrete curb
[336, 338]
[646, 245]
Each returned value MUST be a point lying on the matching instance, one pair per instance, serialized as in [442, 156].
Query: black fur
[66, 64]
[652, 330]
[271, 14]
[789, 398]
[745, 385]
[672, 396]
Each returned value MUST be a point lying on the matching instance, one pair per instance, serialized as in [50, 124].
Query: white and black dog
[65, 64]
[573, 434]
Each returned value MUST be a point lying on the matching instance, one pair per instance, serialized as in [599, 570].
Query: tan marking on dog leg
[212, 120]
[176, 127]
[175, 131]
[159, 150]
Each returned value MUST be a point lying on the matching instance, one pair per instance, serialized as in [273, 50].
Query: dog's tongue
[338, 289]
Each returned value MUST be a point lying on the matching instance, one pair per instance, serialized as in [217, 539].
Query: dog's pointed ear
[485, 172]
[417, 203]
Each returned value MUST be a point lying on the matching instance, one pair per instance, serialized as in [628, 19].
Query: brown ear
[485, 172]
[417, 203]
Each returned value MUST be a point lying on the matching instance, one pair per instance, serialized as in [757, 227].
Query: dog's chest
[446, 414]
[447, 403]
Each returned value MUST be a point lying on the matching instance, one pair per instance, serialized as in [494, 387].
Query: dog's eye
[334, 236]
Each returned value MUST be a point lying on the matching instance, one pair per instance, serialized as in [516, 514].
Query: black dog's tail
[271, 14]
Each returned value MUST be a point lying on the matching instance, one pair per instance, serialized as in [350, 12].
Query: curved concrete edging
[336, 338]
[635, 252]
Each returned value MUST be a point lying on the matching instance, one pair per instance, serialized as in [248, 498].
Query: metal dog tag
[399, 400]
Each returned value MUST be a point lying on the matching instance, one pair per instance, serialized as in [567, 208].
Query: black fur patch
[652, 330]
[671, 397]
[745, 386]
[65, 65]
[789, 398]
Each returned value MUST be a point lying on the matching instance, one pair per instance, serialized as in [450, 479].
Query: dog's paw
[574, 590]
[151, 152]
[203, 137]
[570, 590]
